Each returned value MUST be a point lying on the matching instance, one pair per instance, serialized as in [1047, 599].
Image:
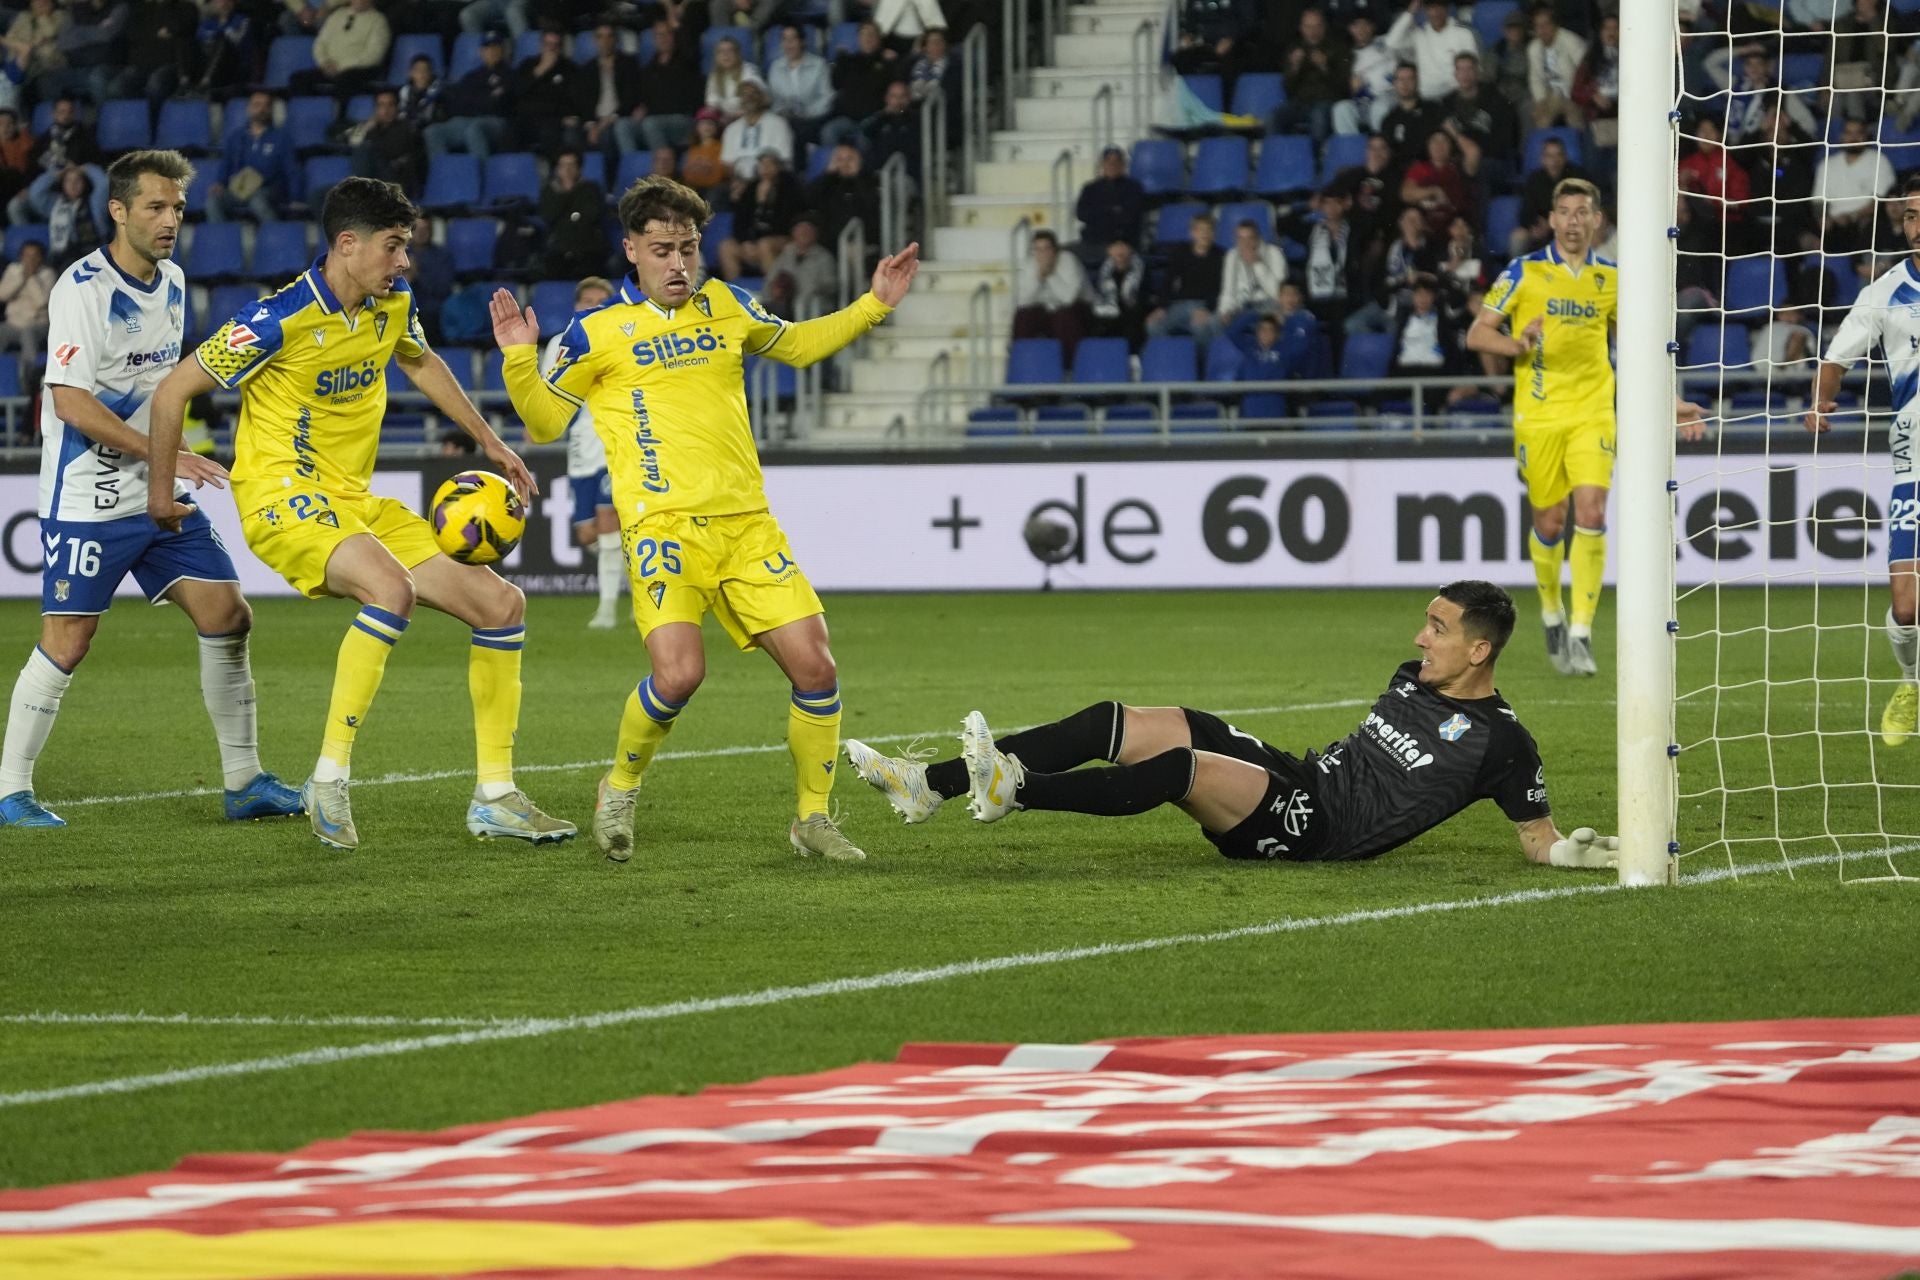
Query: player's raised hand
[202, 471]
[1817, 421]
[512, 467]
[511, 326]
[894, 275]
[1585, 848]
[1690, 418]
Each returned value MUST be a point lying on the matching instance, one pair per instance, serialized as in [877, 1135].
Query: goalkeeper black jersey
[1418, 759]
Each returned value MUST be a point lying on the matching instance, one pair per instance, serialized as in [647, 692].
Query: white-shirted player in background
[596, 526]
[114, 330]
[1886, 318]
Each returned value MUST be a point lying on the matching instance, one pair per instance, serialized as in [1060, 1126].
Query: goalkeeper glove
[1585, 848]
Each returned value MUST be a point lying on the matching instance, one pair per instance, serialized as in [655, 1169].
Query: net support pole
[1643, 503]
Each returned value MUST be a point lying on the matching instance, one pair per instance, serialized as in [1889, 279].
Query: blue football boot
[264, 797]
[21, 810]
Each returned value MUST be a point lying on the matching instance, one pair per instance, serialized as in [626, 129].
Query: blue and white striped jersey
[1886, 317]
[116, 336]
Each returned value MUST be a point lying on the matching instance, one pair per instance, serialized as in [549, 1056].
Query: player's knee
[66, 651]
[507, 607]
[1904, 612]
[676, 680]
[395, 593]
[236, 620]
[814, 672]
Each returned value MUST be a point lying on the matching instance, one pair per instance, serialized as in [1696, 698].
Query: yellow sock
[1546, 573]
[356, 678]
[813, 739]
[644, 725]
[1589, 566]
[493, 678]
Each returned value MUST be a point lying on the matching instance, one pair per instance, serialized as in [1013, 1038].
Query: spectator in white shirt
[730, 72]
[801, 85]
[25, 287]
[1374, 61]
[1432, 48]
[1785, 339]
[1050, 298]
[1250, 280]
[1852, 177]
[757, 130]
[1553, 59]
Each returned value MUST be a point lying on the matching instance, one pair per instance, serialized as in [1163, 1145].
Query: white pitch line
[534, 1028]
[57, 1018]
[706, 753]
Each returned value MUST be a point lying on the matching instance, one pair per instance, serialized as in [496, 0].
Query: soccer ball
[478, 517]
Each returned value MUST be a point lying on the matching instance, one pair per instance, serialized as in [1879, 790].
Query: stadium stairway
[887, 372]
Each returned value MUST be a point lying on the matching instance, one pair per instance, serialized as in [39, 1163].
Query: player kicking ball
[113, 332]
[1883, 317]
[660, 370]
[310, 364]
[1440, 738]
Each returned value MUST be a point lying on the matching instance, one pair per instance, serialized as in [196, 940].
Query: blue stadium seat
[42, 116]
[465, 369]
[229, 300]
[1842, 285]
[1129, 420]
[453, 182]
[466, 55]
[1219, 166]
[1207, 91]
[215, 253]
[1334, 415]
[1263, 404]
[233, 117]
[184, 125]
[1199, 415]
[10, 377]
[1062, 420]
[1489, 16]
[470, 242]
[1034, 360]
[634, 165]
[285, 56]
[124, 124]
[1753, 285]
[1537, 138]
[552, 302]
[491, 377]
[1258, 212]
[719, 229]
[843, 38]
[406, 49]
[1503, 215]
[1222, 360]
[1713, 346]
[1286, 165]
[308, 122]
[1159, 165]
[23, 232]
[1170, 225]
[1258, 93]
[1343, 151]
[359, 108]
[512, 178]
[1900, 146]
[321, 172]
[1802, 70]
[993, 421]
[527, 46]
[1367, 357]
[1168, 359]
[593, 167]
[817, 160]
[1101, 360]
[280, 250]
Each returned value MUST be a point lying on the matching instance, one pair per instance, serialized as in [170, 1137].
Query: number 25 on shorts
[645, 551]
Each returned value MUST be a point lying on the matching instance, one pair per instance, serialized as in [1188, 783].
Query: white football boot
[997, 776]
[902, 780]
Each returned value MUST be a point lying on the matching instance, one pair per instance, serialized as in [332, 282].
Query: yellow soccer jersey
[313, 383]
[1569, 377]
[667, 391]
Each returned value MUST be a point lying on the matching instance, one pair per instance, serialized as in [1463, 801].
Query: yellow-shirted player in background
[660, 369]
[1561, 302]
[310, 363]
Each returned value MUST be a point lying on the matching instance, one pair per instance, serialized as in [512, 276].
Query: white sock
[484, 791]
[1905, 641]
[1580, 631]
[1552, 619]
[327, 769]
[612, 568]
[36, 701]
[226, 683]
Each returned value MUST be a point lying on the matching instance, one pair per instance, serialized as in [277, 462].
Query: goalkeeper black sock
[1118, 792]
[1090, 734]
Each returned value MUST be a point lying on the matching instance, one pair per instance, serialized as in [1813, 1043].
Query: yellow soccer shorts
[739, 568]
[1558, 455]
[297, 533]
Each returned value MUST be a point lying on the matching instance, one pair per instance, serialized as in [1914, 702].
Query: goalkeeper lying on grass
[1439, 738]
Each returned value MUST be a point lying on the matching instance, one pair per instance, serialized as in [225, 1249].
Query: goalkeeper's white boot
[613, 819]
[903, 781]
[1557, 647]
[1902, 715]
[996, 776]
[1580, 656]
[514, 817]
[816, 834]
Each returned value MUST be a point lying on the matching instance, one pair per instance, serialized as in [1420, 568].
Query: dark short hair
[1911, 187]
[123, 175]
[1247, 224]
[365, 205]
[1486, 611]
[419, 58]
[1048, 236]
[661, 199]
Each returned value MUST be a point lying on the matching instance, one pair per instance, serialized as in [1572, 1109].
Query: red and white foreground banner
[1729, 1150]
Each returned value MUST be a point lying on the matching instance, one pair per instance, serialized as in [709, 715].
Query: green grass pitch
[153, 905]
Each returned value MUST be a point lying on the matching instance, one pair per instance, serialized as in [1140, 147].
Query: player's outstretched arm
[1689, 418]
[1826, 394]
[430, 374]
[811, 341]
[1541, 841]
[164, 423]
[545, 411]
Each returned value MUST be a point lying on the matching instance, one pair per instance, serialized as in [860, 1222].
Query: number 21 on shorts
[646, 550]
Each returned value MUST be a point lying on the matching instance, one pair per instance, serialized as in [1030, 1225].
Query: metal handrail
[930, 405]
[1013, 48]
[1060, 178]
[1144, 66]
[896, 190]
[933, 159]
[1047, 27]
[975, 105]
[1101, 107]
[850, 259]
[980, 328]
[1019, 242]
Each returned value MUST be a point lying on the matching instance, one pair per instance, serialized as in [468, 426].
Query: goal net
[1784, 143]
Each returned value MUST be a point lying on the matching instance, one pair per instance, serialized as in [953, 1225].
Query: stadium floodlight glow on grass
[1749, 706]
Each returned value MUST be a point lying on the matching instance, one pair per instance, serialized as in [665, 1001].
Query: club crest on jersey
[656, 592]
[706, 308]
[60, 590]
[1455, 728]
[379, 325]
